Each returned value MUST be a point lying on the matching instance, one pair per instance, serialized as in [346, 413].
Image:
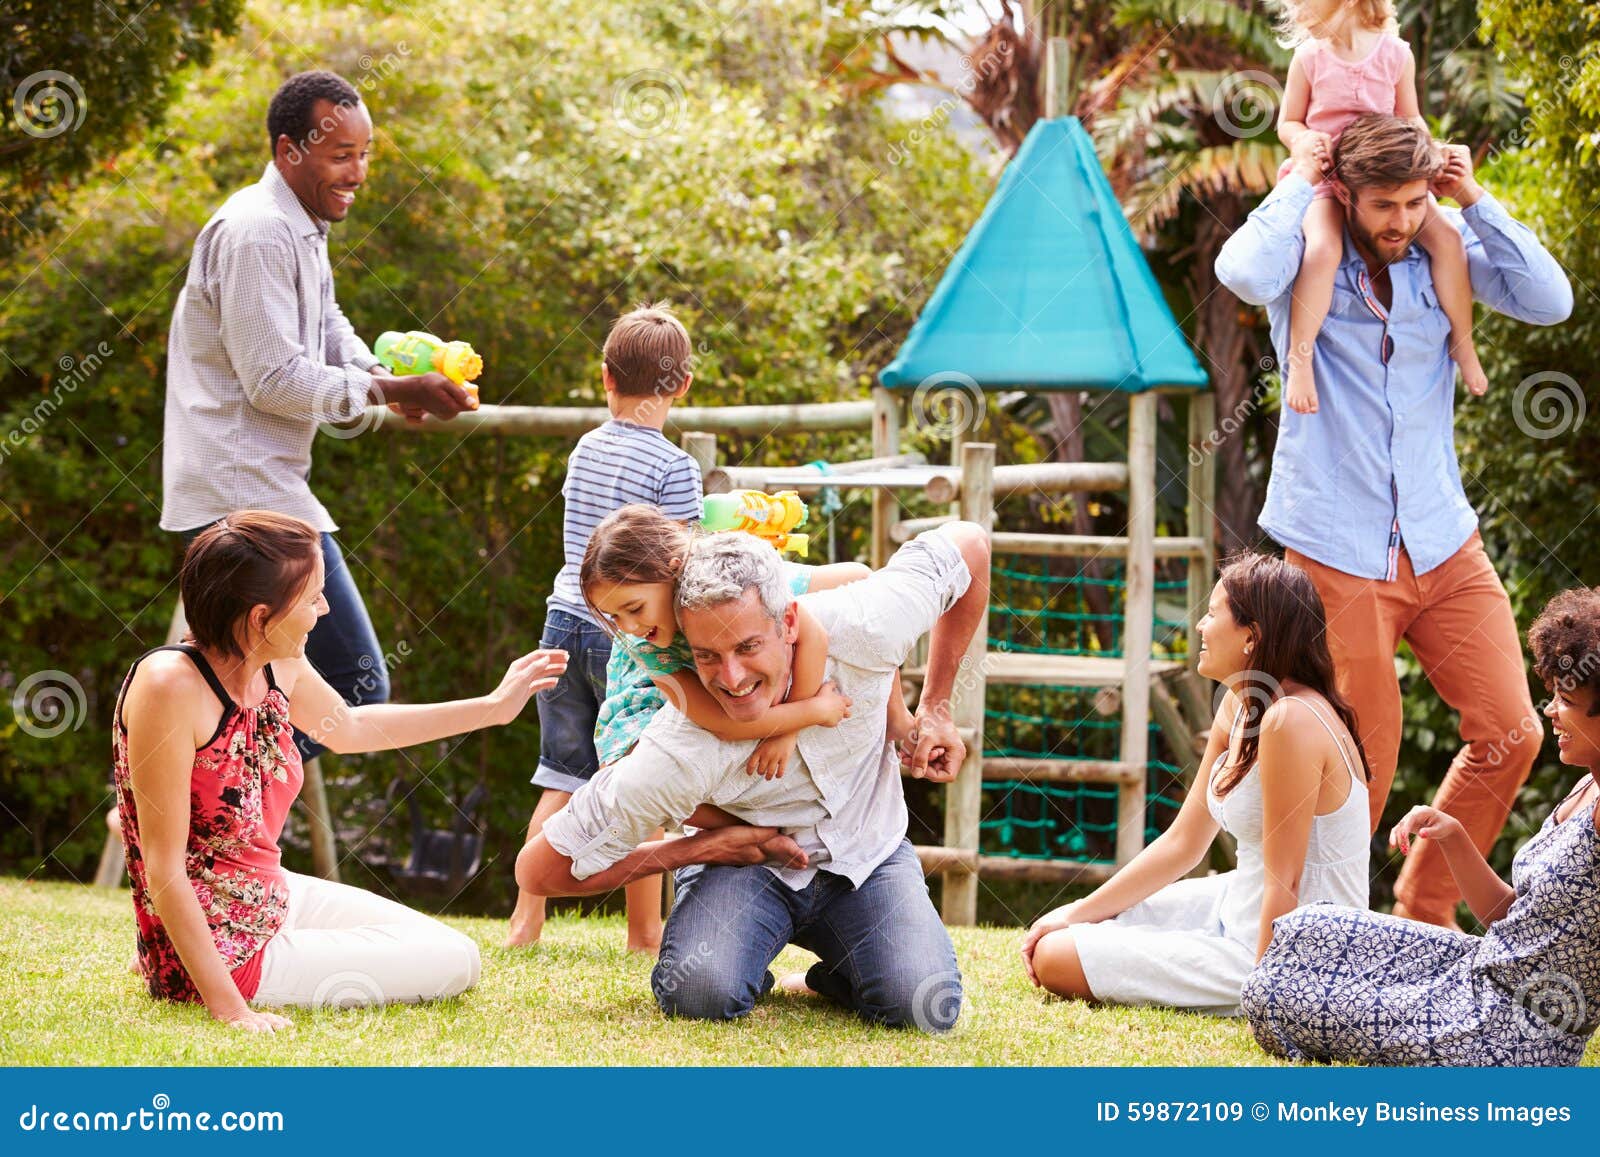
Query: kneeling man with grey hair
[824, 863]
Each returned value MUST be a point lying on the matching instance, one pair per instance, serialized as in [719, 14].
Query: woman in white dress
[1283, 773]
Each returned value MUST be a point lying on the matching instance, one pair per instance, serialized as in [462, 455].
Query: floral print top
[240, 790]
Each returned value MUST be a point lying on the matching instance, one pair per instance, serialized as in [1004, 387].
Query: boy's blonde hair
[1372, 14]
[647, 352]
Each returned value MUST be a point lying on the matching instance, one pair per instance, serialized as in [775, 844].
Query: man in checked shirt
[1366, 492]
[259, 355]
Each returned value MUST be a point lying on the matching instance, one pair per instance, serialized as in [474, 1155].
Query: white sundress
[1192, 944]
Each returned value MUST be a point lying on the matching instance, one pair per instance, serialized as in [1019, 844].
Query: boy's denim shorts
[567, 711]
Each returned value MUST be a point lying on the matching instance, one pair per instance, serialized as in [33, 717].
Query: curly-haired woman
[1341, 984]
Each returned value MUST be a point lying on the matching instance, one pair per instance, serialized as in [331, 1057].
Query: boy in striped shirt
[628, 459]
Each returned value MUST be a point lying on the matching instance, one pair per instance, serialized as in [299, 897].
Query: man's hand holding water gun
[430, 376]
[416, 395]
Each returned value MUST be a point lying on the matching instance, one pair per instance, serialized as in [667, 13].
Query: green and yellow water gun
[407, 354]
[770, 517]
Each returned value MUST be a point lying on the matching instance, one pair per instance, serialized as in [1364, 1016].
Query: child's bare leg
[837, 574]
[1313, 293]
[527, 919]
[709, 815]
[644, 910]
[1452, 282]
[900, 718]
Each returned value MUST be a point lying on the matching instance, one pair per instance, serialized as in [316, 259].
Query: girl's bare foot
[521, 936]
[1300, 387]
[645, 945]
[794, 984]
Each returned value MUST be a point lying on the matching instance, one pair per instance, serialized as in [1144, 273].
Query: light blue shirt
[1382, 445]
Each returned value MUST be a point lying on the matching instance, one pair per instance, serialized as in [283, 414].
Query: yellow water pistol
[407, 354]
[770, 517]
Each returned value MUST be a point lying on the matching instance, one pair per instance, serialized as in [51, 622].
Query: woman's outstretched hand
[1426, 823]
[534, 672]
[1052, 921]
[254, 1020]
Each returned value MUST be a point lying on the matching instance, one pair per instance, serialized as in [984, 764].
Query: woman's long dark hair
[1278, 604]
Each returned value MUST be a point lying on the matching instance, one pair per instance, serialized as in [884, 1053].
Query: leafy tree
[539, 166]
[82, 80]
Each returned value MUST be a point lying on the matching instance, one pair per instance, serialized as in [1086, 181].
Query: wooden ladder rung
[1041, 477]
[1045, 871]
[907, 529]
[1046, 770]
[1088, 545]
[1020, 667]
[936, 860]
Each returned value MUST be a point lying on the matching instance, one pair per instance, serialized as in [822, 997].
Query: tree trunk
[1222, 335]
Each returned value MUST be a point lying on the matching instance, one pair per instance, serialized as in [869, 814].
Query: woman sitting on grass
[1342, 985]
[206, 768]
[1283, 774]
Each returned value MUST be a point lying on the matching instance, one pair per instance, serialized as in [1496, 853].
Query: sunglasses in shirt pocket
[1433, 324]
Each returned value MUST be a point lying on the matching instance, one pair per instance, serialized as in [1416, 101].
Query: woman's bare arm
[319, 711]
[1290, 761]
[160, 708]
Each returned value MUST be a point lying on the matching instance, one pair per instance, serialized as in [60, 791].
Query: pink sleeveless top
[240, 790]
[1342, 91]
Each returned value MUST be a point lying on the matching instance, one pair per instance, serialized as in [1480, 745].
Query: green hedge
[538, 168]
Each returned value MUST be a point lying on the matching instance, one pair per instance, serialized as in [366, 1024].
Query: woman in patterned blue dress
[1339, 984]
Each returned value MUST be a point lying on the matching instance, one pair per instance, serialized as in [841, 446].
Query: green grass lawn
[576, 999]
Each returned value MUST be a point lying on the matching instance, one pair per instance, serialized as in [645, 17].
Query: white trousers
[346, 947]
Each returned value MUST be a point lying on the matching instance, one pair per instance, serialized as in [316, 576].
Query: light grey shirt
[841, 790]
[258, 355]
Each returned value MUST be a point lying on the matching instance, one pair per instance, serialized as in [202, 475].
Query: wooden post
[1138, 612]
[964, 796]
[319, 825]
[885, 441]
[1202, 519]
[1057, 77]
[702, 448]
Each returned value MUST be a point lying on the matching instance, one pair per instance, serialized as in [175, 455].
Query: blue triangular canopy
[1049, 290]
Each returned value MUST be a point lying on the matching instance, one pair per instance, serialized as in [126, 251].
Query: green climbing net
[1067, 607]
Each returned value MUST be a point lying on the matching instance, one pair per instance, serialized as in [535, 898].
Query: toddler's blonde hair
[1372, 14]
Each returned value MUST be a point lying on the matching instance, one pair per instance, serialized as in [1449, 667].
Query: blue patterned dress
[1341, 984]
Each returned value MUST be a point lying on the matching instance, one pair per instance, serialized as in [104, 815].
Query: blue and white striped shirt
[612, 466]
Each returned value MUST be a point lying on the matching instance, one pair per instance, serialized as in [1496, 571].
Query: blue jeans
[342, 647]
[885, 954]
[567, 711]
